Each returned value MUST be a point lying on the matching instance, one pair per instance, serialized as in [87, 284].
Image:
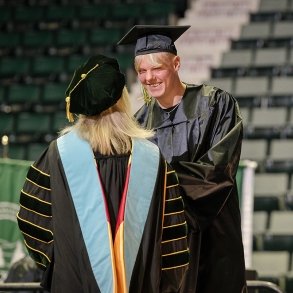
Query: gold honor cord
[67, 99]
[146, 97]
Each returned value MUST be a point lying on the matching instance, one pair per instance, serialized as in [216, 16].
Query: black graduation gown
[53, 225]
[203, 144]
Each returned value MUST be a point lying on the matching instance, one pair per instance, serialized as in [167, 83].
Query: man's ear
[176, 62]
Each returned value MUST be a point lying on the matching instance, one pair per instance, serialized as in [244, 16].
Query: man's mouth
[154, 85]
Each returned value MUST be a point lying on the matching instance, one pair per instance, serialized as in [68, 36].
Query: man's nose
[149, 75]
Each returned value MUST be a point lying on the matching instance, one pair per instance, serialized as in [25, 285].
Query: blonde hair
[156, 59]
[111, 131]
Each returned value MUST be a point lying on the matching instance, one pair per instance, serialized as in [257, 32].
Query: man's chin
[155, 94]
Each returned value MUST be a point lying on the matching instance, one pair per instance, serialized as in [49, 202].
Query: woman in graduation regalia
[100, 210]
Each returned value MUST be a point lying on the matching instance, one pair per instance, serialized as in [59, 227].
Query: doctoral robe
[65, 220]
[202, 139]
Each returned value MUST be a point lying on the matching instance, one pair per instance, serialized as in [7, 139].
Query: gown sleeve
[175, 253]
[208, 179]
[35, 215]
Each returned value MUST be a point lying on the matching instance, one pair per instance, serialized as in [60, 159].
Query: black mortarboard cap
[153, 38]
[95, 86]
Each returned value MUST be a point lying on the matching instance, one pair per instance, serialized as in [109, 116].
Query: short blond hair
[156, 59]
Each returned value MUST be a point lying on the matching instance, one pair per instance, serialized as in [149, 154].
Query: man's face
[158, 79]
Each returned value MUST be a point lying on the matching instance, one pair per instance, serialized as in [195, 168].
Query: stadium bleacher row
[55, 14]
[258, 70]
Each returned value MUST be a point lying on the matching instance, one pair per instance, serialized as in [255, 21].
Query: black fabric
[39, 178]
[95, 86]
[32, 203]
[35, 231]
[174, 206]
[69, 269]
[174, 260]
[153, 38]
[112, 170]
[203, 144]
[172, 179]
[171, 112]
[174, 232]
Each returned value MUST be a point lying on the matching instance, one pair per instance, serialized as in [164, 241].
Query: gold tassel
[146, 97]
[69, 115]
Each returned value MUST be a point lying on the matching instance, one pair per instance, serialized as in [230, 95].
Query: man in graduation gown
[199, 131]
[100, 210]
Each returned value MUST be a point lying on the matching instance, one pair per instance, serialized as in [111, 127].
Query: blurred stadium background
[242, 46]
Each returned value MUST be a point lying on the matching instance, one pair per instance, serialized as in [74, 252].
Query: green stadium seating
[17, 151]
[279, 235]
[10, 40]
[125, 61]
[47, 65]
[28, 14]
[5, 14]
[23, 94]
[99, 11]
[126, 11]
[35, 39]
[59, 121]
[71, 38]
[104, 36]
[73, 61]
[54, 93]
[157, 11]
[34, 150]
[13, 66]
[271, 265]
[33, 123]
[60, 13]
[7, 124]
